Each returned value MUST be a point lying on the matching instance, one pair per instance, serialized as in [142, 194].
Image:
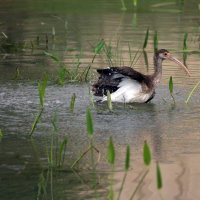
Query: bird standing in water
[129, 86]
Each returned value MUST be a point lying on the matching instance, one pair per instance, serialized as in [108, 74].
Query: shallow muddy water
[171, 130]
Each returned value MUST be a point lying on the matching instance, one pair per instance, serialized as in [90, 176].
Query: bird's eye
[165, 54]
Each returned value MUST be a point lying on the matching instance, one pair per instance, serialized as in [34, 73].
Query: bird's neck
[157, 75]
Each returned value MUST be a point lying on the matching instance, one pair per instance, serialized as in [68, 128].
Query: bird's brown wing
[110, 78]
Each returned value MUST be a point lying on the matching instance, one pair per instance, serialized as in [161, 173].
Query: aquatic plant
[171, 88]
[41, 91]
[56, 151]
[109, 101]
[158, 175]
[66, 74]
[111, 160]
[1, 133]
[155, 41]
[72, 102]
[127, 165]
[123, 5]
[192, 91]
[146, 38]
[147, 161]
[185, 41]
[90, 132]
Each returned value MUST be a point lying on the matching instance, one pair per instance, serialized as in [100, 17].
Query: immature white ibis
[127, 85]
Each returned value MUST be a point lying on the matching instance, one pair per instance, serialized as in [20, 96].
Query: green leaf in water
[42, 89]
[199, 6]
[89, 122]
[1, 134]
[72, 103]
[171, 85]
[52, 57]
[99, 46]
[146, 38]
[5, 36]
[134, 3]
[111, 152]
[163, 4]
[159, 177]
[62, 150]
[190, 94]
[185, 41]
[111, 194]
[109, 100]
[146, 154]
[127, 162]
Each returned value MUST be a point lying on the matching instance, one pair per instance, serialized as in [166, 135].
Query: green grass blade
[111, 194]
[62, 151]
[72, 102]
[146, 154]
[36, 120]
[146, 38]
[52, 57]
[155, 41]
[171, 85]
[89, 122]
[99, 46]
[159, 177]
[134, 3]
[146, 60]
[171, 88]
[109, 100]
[190, 94]
[42, 89]
[1, 133]
[111, 152]
[185, 41]
[123, 5]
[127, 161]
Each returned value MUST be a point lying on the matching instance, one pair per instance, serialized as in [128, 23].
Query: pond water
[171, 130]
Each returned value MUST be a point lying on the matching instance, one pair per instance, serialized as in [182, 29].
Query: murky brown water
[172, 131]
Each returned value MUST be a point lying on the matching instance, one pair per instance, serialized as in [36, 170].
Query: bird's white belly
[129, 91]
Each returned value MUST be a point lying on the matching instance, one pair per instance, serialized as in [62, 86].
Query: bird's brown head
[164, 54]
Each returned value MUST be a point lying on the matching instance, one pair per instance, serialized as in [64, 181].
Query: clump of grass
[146, 39]
[192, 91]
[72, 102]
[41, 90]
[68, 75]
[171, 88]
[56, 154]
[155, 41]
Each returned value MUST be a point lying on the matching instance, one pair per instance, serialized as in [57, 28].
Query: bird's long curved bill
[180, 64]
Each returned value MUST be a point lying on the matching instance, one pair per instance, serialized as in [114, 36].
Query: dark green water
[172, 131]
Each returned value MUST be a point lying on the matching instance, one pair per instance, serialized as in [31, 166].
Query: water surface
[172, 130]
